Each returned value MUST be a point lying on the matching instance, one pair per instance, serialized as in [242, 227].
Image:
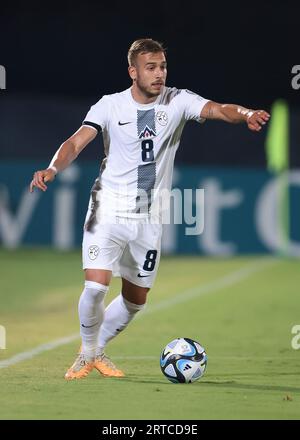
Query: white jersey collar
[138, 104]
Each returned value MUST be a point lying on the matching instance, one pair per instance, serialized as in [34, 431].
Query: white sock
[118, 315]
[91, 313]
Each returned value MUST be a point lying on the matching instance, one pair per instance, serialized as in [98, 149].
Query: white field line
[187, 295]
[37, 350]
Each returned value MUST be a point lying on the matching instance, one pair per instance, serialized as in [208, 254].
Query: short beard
[145, 91]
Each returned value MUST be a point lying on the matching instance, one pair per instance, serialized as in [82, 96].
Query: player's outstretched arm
[65, 155]
[234, 114]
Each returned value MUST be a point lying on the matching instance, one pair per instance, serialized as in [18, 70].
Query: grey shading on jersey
[146, 123]
[145, 183]
[146, 172]
[168, 94]
[92, 220]
[171, 141]
[95, 205]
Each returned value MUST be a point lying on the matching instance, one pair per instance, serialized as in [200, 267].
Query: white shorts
[129, 249]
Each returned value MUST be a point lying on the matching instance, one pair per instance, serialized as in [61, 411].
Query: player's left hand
[256, 119]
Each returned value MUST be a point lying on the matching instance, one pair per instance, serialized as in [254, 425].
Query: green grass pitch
[241, 310]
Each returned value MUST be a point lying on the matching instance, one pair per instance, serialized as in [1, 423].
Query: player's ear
[132, 72]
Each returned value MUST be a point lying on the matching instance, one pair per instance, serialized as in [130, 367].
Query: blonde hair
[143, 45]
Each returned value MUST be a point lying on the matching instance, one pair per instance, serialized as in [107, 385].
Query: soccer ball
[183, 361]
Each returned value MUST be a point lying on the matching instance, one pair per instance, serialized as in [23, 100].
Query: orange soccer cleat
[106, 367]
[80, 369]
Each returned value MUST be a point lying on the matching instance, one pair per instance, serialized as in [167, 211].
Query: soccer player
[141, 129]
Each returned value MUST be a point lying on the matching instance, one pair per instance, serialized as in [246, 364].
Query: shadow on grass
[237, 385]
[210, 383]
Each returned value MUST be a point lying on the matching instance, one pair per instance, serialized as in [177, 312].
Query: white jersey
[140, 142]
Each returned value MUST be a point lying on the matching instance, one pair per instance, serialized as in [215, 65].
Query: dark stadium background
[61, 57]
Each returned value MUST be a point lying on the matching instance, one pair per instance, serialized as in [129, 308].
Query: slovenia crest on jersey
[162, 117]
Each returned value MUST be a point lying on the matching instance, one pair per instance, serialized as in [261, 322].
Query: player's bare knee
[135, 296]
[100, 276]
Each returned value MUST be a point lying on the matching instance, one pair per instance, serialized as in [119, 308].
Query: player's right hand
[40, 177]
